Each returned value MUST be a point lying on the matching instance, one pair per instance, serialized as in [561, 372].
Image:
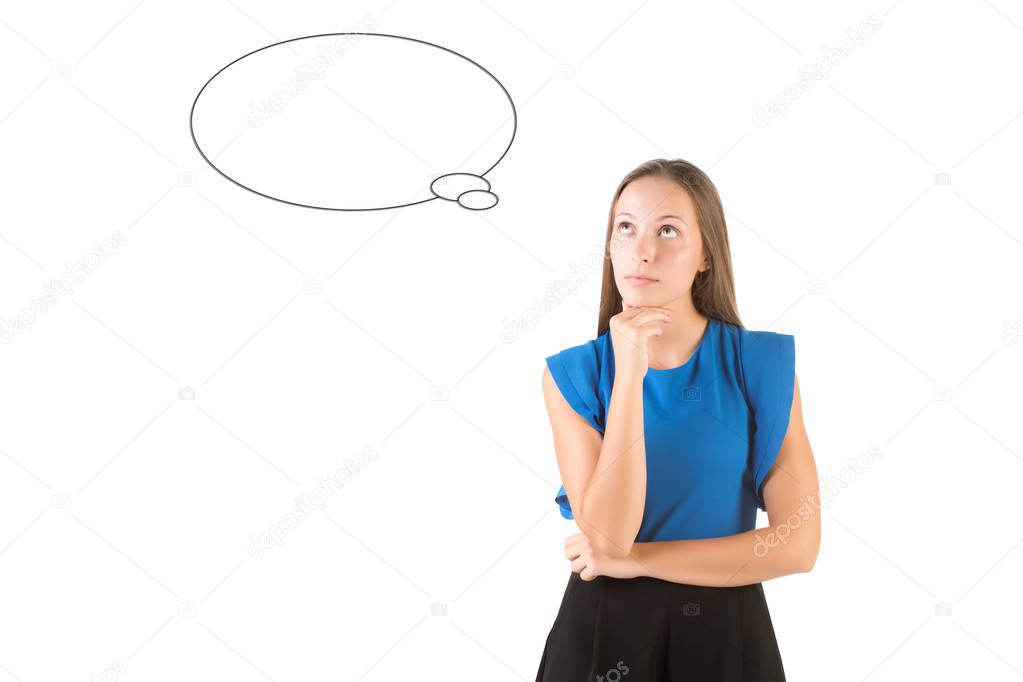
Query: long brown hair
[713, 291]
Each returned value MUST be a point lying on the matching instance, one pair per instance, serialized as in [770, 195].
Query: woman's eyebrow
[661, 218]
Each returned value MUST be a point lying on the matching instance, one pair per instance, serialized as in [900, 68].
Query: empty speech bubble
[356, 122]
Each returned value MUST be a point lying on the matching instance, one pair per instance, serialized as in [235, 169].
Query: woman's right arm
[605, 478]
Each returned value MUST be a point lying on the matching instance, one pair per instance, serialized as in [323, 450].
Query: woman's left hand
[590, 562]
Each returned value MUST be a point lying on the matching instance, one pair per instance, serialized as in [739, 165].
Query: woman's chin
[639, 301]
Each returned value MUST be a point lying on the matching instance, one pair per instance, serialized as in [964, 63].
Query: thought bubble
[356, 122]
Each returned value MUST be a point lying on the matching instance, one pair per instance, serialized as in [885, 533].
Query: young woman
[671, 428]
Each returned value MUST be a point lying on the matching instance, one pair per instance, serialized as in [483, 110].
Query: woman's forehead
[649, 196]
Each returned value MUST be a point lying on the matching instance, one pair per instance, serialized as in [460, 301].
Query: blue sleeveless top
[713, 426]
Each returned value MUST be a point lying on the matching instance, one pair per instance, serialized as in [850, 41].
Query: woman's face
[658, 237]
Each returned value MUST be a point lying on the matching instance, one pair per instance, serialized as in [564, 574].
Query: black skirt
[651, 630]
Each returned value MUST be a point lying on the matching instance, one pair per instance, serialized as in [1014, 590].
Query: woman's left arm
[788, 545]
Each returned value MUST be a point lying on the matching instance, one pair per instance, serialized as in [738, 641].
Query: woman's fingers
[633, 311]
[575, 545]
[573, 538]
[648, 315]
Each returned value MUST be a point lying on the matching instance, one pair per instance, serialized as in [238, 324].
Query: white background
[127, 510]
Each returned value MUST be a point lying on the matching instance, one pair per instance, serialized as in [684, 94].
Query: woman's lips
[640, 281]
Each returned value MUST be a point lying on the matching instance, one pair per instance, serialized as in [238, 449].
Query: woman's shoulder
[768, 366]
[751, 344]
[749, 337]
[592, 351]
[756, 356]
[757, 344]
[767, 360]
[581, 372]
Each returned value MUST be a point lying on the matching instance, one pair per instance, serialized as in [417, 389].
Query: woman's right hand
[630, 331]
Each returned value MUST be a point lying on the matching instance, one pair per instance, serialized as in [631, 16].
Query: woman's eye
[674, 229]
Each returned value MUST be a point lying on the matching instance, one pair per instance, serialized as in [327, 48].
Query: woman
[671, 428]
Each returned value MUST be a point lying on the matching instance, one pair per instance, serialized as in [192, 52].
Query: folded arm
[788, 545]
[604, 476]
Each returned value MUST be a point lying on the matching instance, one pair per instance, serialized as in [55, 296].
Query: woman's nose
[643, 248]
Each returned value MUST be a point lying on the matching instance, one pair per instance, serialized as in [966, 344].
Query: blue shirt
[712, 426]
